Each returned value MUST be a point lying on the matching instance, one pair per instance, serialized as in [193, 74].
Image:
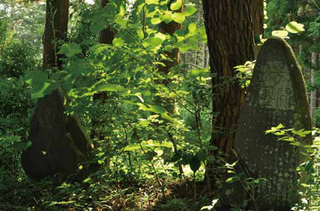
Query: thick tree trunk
[229, 28]
[55, 29]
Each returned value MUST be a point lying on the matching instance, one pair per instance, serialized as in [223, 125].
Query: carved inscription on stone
[275, 86]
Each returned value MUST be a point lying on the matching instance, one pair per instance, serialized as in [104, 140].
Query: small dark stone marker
[276, 95]
[59, 143]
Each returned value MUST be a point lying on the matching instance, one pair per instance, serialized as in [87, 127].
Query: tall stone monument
[276, 95]
[59, 143]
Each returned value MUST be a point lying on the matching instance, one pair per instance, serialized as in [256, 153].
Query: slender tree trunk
[257, 8]
[313, 94]
[56, 28]
[174, 56]
[107, 35]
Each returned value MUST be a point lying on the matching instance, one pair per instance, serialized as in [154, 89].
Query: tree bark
[229, 28]
[107, 35]
[174, 56]
[257, 8]
[57, 12]
[313, 93]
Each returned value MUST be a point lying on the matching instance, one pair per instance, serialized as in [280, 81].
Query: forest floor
[175, 195]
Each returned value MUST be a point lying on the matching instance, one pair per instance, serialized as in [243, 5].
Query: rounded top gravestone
[276, 95]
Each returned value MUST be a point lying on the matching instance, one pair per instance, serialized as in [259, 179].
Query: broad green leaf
[121, 21]
[275, 129]
[176, 5]
[36, 78]
[156, 40]
[294, 27]
[184, 48]
[152, 1]
[166, 17]
[280, 33]
[197, 72]
[157, 109]
[178, 17]
[155, 21]
[140, 34]
[118, 42]
[195, 164]
[189, 10]
[97, 26]
[143, 107]
[39, 90]
[192, 27]
[110, 8]
[70, 49]
[301, 133]
[109, 88]
[167, 117]
[232, 179]
[131, 147]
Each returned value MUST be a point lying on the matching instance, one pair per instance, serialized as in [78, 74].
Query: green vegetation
[151, 130]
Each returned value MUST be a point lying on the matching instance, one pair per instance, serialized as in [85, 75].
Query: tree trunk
[107, 35]
[56, 28]
[174, 56]
[229, 28]
[257, 8]
[313, 94]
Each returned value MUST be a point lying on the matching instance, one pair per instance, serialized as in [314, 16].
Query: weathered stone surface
[276, 95]
[59, 143]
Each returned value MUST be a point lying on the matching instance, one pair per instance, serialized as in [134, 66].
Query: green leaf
[70, 49]
[294, 27]
[176, 5]
[109, 87]
[157, 109]
[118, 42]
[39, 90]
[97, 26]
[152, 1]
[195, 164]
[301, 133]
[166, 17]
[189, 10]
[155, 21]
[232, 179]
[275, 129]
[110, 8]
[280, 33]
[178, 17]
[192, 27]
[36, 78]
[197, 72]
[131, 147]
[203, 33]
